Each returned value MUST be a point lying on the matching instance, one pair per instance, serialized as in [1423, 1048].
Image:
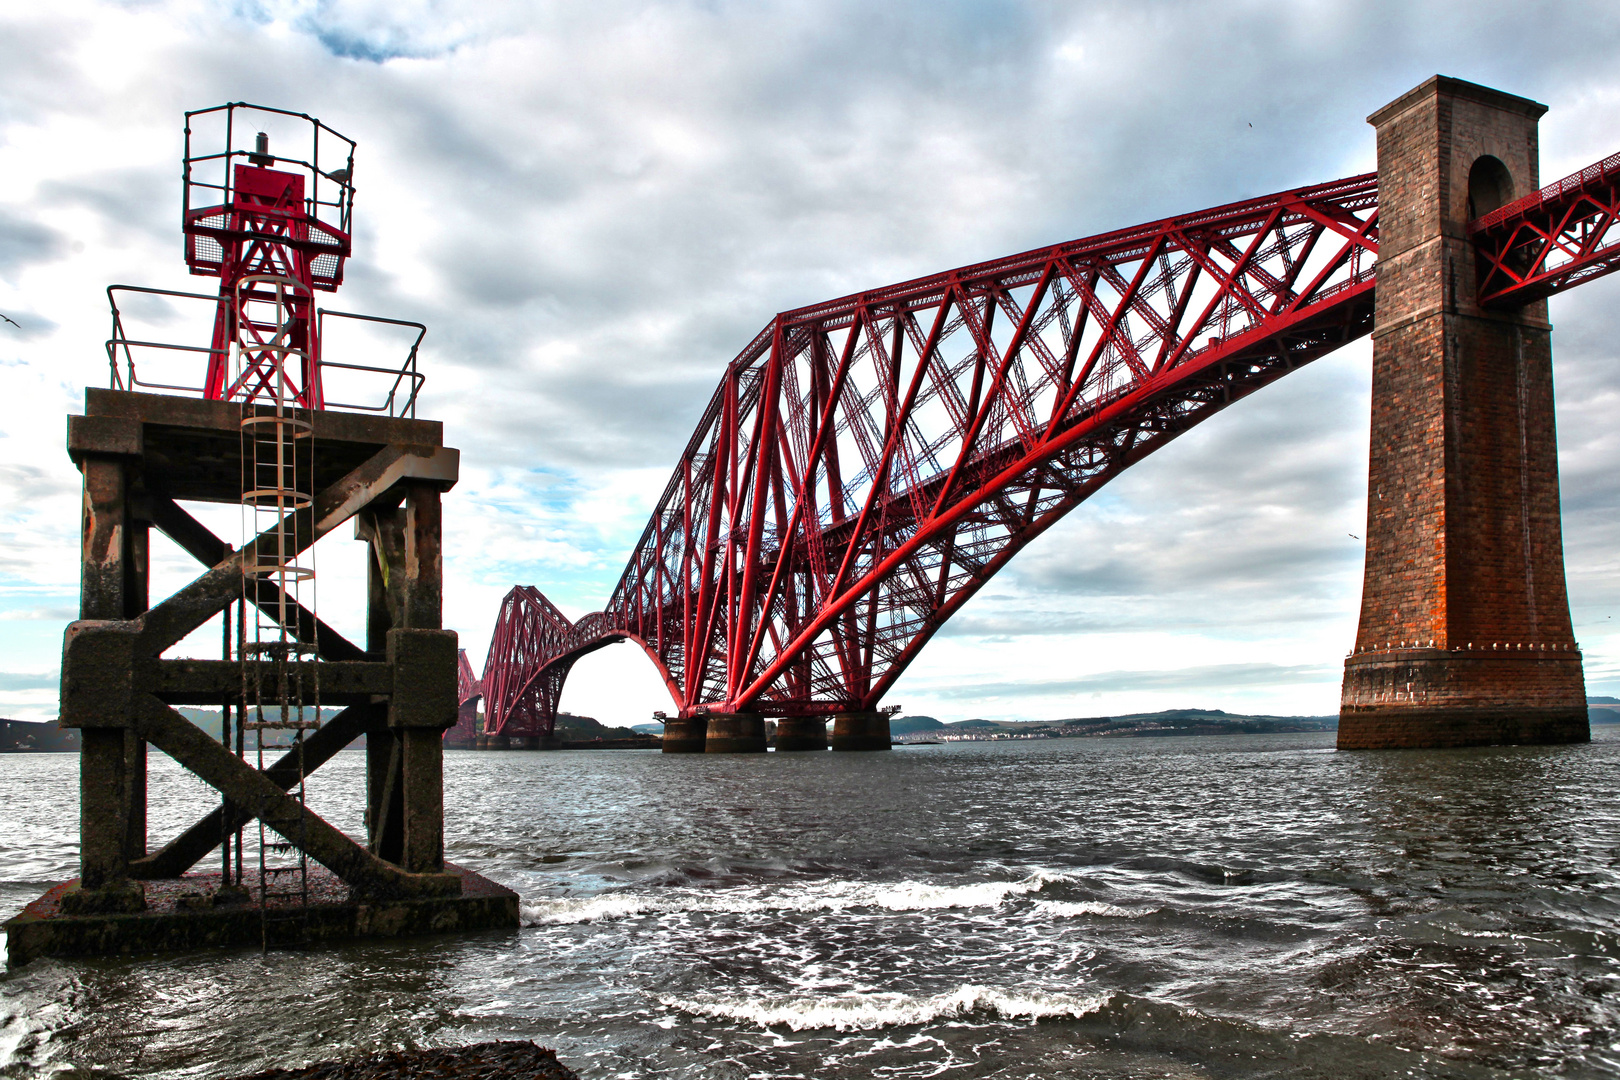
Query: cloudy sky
[595, 206]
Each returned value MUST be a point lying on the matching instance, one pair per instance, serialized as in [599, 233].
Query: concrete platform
[181, 914]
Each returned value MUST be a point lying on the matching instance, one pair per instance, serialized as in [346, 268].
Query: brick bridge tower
[1465, 635]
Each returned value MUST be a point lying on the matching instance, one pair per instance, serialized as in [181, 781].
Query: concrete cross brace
[115, 683]
[261, 797]
[205, 597]
[184, 851]
[196, 539]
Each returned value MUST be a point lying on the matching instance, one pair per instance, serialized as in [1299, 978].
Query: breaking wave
[1065, 909]
[825, 896]
[845, 1012]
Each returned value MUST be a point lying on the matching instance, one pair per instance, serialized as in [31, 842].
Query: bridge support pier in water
[861, 731]
[735, 733]
[801, 733]
[685, 735]
[1465, 636]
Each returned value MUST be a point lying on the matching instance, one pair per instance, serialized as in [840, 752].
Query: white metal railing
[142, 360]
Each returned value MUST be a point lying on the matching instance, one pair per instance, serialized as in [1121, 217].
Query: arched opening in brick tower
[1490, 186]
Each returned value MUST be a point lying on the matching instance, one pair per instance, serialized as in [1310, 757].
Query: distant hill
[21, 736]
[1201, 722]
[1131, 725]
[910, 725]
[570, 726]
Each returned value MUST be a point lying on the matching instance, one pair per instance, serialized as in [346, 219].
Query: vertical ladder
[280, 684]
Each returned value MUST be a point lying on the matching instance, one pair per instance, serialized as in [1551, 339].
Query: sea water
[1232, 906]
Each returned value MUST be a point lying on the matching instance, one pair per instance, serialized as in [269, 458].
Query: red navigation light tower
[272, 223]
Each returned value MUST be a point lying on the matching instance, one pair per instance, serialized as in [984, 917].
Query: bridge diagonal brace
[260, 797]
[187, 849]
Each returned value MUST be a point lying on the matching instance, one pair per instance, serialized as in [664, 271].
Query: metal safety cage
[210, 185]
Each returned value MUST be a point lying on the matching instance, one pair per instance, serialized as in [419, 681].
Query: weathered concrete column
[112, 586]
[381, 529]
[861, 731]
[421, 710]
[735, 733]
[405, 756]
[801, 733]
[385, 793]
[424, 559]
[685, 735]
[1465, 635]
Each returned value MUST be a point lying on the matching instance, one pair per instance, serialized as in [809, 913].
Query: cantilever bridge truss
[867, 464]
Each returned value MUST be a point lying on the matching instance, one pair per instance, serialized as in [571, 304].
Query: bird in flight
[10, 320]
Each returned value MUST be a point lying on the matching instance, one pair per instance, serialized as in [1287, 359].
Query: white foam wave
[819, 896]
[1064, 909]
[845, 1012]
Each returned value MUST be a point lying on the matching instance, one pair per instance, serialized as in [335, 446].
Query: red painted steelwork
[1552, 239]
[266, 227]
[468, 693]
[530, 655]
[867, 464]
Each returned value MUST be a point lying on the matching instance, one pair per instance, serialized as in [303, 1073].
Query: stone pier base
[801, 733]
[735, 733]
[1462, 697]
[181, 914]
[861, 731]
[685, 736]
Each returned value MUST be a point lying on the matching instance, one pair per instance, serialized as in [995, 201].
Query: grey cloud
[29, 326]
[24, 242]
[29, 485]
[29, 681]
[129, 202]
[40, 614]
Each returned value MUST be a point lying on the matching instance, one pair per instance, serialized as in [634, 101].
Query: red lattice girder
[468, 694]
[867, 464]
[1552, 239]
[530, 655]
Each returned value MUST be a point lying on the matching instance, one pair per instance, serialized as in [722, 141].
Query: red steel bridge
[868, 463]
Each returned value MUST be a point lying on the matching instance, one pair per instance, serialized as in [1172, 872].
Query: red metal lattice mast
[257, 227]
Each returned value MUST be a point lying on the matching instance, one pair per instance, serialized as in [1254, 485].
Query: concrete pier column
[801, 733]
[861, 731]
[735, 733]
[685, 735]
[112, 586]
[422, 708]
[385, 793]
[1465, 635]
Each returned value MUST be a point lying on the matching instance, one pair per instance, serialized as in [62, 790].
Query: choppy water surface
[1241, 906]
